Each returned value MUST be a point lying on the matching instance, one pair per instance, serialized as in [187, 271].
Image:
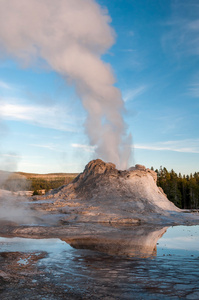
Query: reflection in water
[137, 241]
[180, 240]
[73, 273]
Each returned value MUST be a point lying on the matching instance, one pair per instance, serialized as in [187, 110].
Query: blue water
[173, 273]
[180, 241]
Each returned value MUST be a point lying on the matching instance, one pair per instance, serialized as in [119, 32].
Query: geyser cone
[104, 194]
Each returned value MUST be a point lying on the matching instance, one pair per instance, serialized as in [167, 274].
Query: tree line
[182, 190]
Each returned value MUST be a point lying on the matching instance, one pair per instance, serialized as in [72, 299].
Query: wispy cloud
[193, 89]
[54, 117]
[86, 148]
[184, 146]
[5, 85]
[133, 93]
[182, 36]
[131, 33]
[51, 147]
[127, 50]
[10, 155]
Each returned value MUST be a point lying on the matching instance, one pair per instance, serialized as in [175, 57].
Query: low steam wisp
[13, 206]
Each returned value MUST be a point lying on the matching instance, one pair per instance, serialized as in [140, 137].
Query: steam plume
[14, 209]
[71, 36]
[12, 206]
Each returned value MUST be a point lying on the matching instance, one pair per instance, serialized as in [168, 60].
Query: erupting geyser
[104, 194]
[71, 36]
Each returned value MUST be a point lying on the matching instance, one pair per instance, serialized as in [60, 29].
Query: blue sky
[156, 63]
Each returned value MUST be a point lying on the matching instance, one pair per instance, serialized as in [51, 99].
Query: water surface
[169, 272]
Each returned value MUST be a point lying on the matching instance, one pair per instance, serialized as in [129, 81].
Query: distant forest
[183, 191]
[37, 183]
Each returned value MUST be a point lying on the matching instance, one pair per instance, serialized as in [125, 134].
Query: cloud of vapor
[13, 208]
[71, 36]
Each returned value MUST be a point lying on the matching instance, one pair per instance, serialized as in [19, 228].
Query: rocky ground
[22, 278]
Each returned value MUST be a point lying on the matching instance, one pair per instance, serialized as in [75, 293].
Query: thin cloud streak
[51, 147]
[134, 93]
[5, 85]
[183, 146]
[84, 147]
[184, 28]
[43, 116]
[183, 35]
[10, 155]
[128, 50]
[193, 90]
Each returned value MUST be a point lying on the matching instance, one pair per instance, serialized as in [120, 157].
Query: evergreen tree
[183, 191]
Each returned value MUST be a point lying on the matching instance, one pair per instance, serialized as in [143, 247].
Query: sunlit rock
[104, 194]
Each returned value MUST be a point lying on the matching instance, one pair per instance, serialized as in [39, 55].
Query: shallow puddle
[52, 269]
[30, 245]
[180, 241]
